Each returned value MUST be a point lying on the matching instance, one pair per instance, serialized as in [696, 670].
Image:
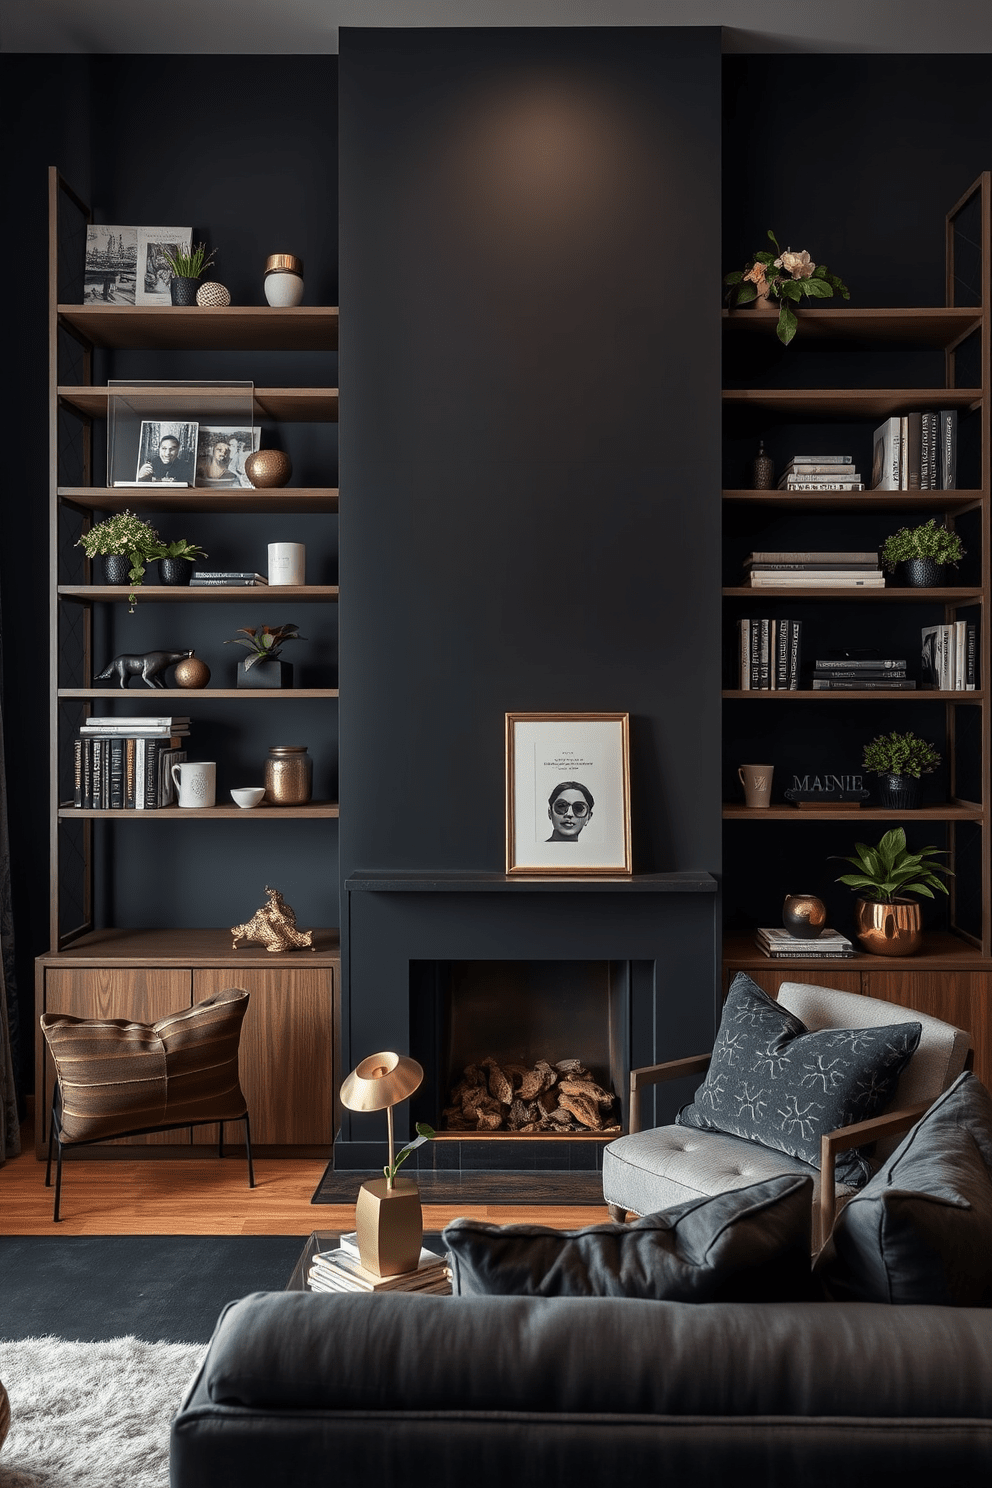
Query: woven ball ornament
[212, 294]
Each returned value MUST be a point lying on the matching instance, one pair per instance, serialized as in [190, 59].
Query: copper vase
[390, 1226]
[889, 929]
[288, 775]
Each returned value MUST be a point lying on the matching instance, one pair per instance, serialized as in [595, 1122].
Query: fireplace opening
[532, 1048]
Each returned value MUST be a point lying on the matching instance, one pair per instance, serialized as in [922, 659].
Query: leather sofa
[402, 1390]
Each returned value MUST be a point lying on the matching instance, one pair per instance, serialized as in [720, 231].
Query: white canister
[283, 280]
[196, 782]
[287, 563]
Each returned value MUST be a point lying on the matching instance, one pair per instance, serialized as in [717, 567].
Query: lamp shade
[381, 1081]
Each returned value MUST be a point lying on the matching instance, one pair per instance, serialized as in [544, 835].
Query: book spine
[903, 441]
[876, 676]
[914, 460]
[153, 748]
[947, 658]
[755, 655]
[885, 456]
[744, 656]
[764, 669]
[782, 654]
[948, 449]
[821, 566]
[116, 781]
[129, 747]
[928, 656]
[223, 583]
[77, 772]
[853, 665]
[799, 485]
[971, 660]
[97, 774]
[960, 654]
[87, 772]
[140, 750]
[806, 556]
[820, 684]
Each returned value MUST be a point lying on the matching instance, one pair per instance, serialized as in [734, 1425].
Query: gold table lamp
[388, 1217]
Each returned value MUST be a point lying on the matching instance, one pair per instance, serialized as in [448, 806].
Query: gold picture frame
[568, 794]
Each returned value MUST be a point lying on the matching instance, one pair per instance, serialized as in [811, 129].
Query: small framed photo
[167, 453]
[567, 793]
[153, 273]
[109, 272]
[221, 452]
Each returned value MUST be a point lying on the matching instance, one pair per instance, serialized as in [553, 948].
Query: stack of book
[820, 473]
[341, 1270]
[861, 675]
[780, 945]
[125, 763]
[949, 658]
[916, 452]
[770, 654]
[805, 570]
[235, 578]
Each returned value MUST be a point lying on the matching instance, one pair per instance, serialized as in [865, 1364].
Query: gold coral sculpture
[274, 926]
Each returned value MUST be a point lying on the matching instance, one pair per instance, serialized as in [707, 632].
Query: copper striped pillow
[115, 1076]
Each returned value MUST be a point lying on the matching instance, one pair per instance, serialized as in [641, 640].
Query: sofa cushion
[749, 1244]
[774, 1082]
[116, 1076]
[921, 1230]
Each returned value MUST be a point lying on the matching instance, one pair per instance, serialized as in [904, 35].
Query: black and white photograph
[154, 274]
[567, 793]
[222, 450]
[167, 453]
[111, 264]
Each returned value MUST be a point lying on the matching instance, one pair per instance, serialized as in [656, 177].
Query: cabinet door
[140, 994]
[287, 1068]
[958, 997]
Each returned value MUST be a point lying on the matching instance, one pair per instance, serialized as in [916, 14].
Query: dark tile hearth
[475, 1186]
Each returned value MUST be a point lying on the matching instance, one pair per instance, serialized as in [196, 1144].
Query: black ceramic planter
[116, 568]
[899, 792]
[175, 570]
[923, 573]
[265, 674]
[183, 290]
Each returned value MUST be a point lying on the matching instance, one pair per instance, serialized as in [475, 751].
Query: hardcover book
[886, 467]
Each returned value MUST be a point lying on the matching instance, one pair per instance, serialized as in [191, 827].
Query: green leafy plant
[189, 263]
[126, 534]
[939, 544]
[786, 277]
[425, 1134]
[181, 548]
[888, 871]
[900, 754]
[264, 642]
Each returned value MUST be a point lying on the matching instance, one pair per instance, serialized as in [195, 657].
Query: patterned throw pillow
[774, 1082]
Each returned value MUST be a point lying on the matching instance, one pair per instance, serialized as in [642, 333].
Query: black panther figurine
[149, 667]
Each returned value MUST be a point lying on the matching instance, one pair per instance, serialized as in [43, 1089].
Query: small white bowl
[248, 795]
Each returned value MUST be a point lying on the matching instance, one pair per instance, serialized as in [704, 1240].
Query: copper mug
[757, 783]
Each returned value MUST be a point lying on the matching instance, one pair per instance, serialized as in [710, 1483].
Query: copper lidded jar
[283, 280]
[288, 775]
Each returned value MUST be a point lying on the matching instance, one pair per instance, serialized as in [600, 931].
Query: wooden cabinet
[287, 1042]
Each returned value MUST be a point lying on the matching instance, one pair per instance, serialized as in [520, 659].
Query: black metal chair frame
[55, 1135]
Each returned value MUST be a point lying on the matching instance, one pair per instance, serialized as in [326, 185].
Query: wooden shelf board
[202, 499]
[262, 812]
[958, 596]
[817, 403]
[188, 947]
[952, 811]
[196, 328]
[182, 594]
[859, 500]
[936, 325]
[299, 405]
[807, 695]
[941, 952]
[191, 694]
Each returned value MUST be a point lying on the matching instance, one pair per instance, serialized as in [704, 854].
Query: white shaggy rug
[92, 1415]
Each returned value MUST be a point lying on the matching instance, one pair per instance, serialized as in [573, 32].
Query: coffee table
[327, 1240]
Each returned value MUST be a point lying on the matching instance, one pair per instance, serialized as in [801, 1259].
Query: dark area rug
[474, 1186]
[157, 1287]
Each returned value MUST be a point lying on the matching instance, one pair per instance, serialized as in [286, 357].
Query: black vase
[265, 674]
[182, 290]
[175, 570]
[116, 567]
[923, 573]
[899, 792]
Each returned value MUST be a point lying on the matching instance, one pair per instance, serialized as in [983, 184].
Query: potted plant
[923, 554]
[886, 922]
[176, 559]
[187, 264]
[778, 281]
[126, 544]
[263, 667]
[899, 760]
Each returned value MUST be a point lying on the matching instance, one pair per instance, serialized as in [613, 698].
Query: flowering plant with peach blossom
[786, 277]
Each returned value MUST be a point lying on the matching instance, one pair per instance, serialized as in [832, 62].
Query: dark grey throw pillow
[774, 1082]
[921, 1230]
[747, 1245]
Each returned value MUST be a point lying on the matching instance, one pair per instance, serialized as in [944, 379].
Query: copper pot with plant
[887, 922]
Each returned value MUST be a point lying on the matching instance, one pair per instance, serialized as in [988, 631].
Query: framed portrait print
[567, 793]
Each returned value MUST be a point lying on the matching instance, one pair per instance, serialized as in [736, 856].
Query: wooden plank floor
[211, 1197]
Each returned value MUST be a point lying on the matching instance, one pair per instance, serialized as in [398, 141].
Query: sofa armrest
[653, 1074]
[856, 1135]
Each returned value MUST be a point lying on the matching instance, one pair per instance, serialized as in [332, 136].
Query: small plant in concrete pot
[263, 667]
[899, 760]
[176, 559]
[887, 923]
[126, 544]
[923, 554]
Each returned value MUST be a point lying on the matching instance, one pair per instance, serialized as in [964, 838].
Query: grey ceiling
[309, 26]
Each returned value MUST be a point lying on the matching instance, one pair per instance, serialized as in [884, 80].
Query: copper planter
[889, 929]
[390, 1226]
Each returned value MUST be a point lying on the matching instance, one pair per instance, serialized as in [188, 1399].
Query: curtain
[10, 1136]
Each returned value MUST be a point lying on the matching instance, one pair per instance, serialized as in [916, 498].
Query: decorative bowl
[248, 795]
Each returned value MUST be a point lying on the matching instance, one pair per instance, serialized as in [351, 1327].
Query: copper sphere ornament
[213, 295]
[192, 672]
[804, 915]
[268, 468]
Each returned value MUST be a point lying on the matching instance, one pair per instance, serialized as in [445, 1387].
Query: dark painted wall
[530, 399]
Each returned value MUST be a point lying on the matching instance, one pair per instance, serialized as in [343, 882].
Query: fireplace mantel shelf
[424, 882]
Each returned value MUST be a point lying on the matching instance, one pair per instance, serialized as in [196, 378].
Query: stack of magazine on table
[820, 473]
[124, 763]
[780, 945]
[341, 1270]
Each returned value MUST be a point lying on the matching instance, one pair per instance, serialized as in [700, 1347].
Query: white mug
[287, 563]
[196, 782]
